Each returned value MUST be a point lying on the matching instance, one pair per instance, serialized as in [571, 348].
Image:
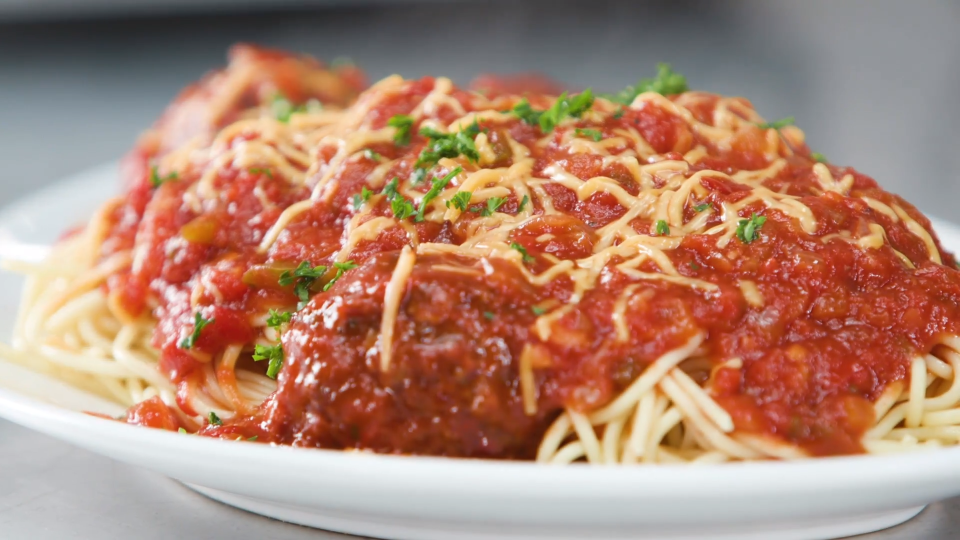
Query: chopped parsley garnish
[489, 315]
[156, 180]
[417, 176]
[259, 170]
[817, 156]
[523, 203]
[282, 108]
[493, 203]
[527, 258]
[618, 114]
[667, 82]
[778, 124]
[460, 200]
[272, 353]
[537, 310]
[404, 124]
[747, 228]
[182, 431]
[341, 268]
[562, 108]
[402, 208]
[304, 276]
[390, 190]
[370, 154]
[435, 188]
[589, 133]
[214, 419]
[694, 266]
[702, 207]
[278, 318]
[663, 228]
[362, 197]
[199, 323]
[448, 145]
[252, 439]
[525, 112]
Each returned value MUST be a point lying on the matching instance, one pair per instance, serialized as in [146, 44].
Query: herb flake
[404, 125]
[527, 258]
[273, 354]
[199, 323]
[667, 82]
[594, 134]
[341, 268]
[663, 229]
[493, 204]
[460, 200]
[778, 124]
[438, 185]
[747, 229]
[156, 180]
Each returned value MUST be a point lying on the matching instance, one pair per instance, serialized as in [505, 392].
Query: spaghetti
[654, 277]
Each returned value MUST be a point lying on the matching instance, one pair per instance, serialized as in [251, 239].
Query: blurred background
[875, 83]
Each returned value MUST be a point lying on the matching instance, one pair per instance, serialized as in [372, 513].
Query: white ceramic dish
[441, 499]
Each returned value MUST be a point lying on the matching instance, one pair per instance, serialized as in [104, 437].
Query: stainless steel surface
[873, 83]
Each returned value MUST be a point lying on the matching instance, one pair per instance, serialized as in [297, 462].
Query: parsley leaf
[437, 186]
[182, 431]
[402, 208]
[778, 124]
[371, 155]
[282, 108]
[390, 190]
[702, 207]
[277, 318]
[272, 353]
[493, 203]
[694, 266]
[362, 197]
[199, 323]
[259, 170]
[590, 133]
[527, 258]
[214, 419]
[460, 200]
[404, 124]
[418, 176]
[341, 268]
[662, 228]
[537, 310]
[667, 82]
[747, 228]
[304, 276]
[562, 108]
[448, 145]
[489, 315]
[618, 114]
[526, 113]
[523, 203]
[817, 156]
[156, 180]
[252, 439]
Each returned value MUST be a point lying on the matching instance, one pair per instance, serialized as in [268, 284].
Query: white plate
[440, 499]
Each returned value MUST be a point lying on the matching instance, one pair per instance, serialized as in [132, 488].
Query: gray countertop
[873, 84]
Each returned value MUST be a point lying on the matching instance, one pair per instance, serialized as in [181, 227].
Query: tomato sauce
[838, 323]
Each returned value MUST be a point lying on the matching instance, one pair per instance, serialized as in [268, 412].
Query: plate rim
[476, 479]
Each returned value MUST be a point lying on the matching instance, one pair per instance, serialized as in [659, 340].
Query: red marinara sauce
[836, 323]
